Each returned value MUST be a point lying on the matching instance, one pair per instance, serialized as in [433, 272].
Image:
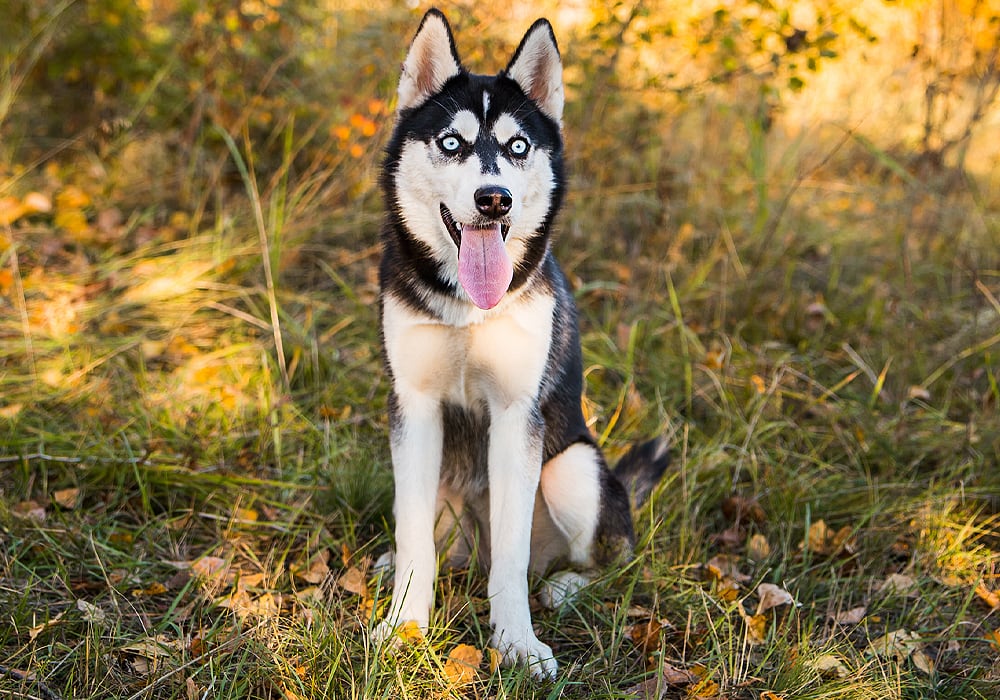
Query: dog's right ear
[430, 63]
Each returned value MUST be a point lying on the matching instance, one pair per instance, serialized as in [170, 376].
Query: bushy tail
[641, 468]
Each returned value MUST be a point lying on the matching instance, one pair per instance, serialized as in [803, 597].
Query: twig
[44, 691]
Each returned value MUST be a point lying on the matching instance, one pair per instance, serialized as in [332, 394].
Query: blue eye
[450, 144]
[518, 147]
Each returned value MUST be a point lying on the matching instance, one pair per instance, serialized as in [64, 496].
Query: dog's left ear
[537, 68]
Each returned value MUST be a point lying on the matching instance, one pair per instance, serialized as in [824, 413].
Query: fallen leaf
[991, 598]
[898, 643]
[824, 541]
[758, 549]
[67, 498]
[37, 203]
[900, 584]
[646, 635]
[410, 632]
[38, 629]
[994, 639]
[740, 509]
[706, 689]
[657, 686]
[91, 613]
[155, 588]
[496, 658]
[756, 628]
[829, 666]
[850, 617]
[29, 510]
[768, 695]
[725, 566]
[315, 569]
[353, 581]
[771, 596]
[922, 661]
[462, 666]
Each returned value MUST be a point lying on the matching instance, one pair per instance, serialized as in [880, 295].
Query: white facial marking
[465, 125]
[486, 102]
[505, 128]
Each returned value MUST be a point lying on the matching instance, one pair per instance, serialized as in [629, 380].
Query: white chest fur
[496, 357]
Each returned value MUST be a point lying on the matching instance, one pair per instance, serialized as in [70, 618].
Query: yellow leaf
[410, 632]
[10, 210]
[496, 658]
[756, 628]
[704, 690]
[246, 515]
[462, 666]
[152, 589]
[72, 197]
[758, 383]
[72, 221]
[994, 639]
[768, 695]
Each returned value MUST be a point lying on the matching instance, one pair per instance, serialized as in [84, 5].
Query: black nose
[494, 202]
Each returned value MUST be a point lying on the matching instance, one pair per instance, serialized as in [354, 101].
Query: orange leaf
[11, 210]
[67, 498]
[462, 666]
[991, 598]
[994, 639]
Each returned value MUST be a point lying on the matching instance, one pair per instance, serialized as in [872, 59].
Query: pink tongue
[484, 268]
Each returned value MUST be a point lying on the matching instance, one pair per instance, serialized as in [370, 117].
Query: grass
[194, 481]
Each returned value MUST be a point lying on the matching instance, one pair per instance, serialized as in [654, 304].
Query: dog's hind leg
[583, 519]
[570, 486]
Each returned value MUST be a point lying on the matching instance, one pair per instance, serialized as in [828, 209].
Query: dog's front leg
[416, 434]
[515, 463]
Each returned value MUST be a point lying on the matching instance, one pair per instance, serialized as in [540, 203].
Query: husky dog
[491, 455]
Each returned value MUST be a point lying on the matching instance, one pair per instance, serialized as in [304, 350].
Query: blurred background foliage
[810, 174]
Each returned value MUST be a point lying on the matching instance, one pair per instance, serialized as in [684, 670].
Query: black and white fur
[488, 439]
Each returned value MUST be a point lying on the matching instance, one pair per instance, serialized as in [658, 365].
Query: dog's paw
[527, 651]
[560, 588]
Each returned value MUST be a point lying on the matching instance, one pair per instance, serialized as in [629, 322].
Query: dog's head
[474, 168]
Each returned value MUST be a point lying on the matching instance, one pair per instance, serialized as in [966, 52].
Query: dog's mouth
[485, 270]
[455, 228]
